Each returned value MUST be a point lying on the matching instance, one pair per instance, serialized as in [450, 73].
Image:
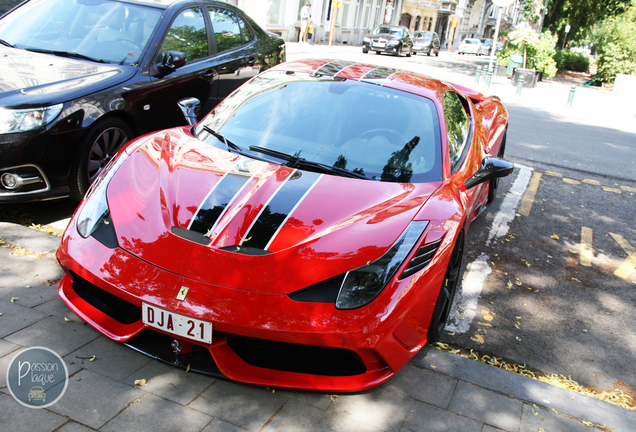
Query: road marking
[629, 265]
[611, 189]
[466, 298]
[510, 204]
[571, 181]
[592, 182]
[586, 247]
[628, 189]
[553, 174]
[531, 192]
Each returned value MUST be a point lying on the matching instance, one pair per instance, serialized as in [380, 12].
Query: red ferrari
[308, 233]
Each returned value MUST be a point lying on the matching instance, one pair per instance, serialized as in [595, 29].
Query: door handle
[209, 74]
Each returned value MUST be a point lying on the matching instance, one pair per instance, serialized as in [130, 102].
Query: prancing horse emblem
[183, 292]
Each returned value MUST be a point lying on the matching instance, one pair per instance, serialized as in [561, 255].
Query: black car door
[237, 55]
[190, 34]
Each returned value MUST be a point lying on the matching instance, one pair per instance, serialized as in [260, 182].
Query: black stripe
[279, 208]
[378, 75]
[333, 68]
[217, 201]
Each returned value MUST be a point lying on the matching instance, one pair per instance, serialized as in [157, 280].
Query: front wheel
[447, 293]
[365, 50]
[96, 149]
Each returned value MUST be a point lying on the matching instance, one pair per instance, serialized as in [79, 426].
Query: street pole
[336, 5]
[493, 49]
[567, 30]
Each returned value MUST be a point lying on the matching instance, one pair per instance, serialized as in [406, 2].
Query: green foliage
[617, 51]
[190, 41]
[544, 55]
[504, 54]
[577, 62]
[526, 40]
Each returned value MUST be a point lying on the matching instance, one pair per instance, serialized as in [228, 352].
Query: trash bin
[515, 61]
[529, 77]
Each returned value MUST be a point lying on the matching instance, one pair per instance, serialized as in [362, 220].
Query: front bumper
[389, 49]
[421, 48]
[258, 338]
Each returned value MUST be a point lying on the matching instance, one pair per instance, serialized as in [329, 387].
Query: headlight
[21, 120]
[367, 39]
[95, 207]
[426, 43]
[363, 284]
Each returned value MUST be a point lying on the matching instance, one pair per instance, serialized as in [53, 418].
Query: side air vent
[422, 257]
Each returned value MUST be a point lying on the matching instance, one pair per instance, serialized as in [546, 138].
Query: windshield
[387, 31]
[422, 35]
[385, 134]
[105, 30]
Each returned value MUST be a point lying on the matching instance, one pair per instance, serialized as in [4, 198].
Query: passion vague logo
[37, 377]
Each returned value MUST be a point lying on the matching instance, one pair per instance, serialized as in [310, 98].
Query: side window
[187, 34]
[245, 31]
[227, 31]
[457, 126]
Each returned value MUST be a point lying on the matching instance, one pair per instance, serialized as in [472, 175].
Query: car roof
[163, 4]
[398, 79]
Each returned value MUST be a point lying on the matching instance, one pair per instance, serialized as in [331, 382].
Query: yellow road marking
[629, 265]
[553, 174]
[586, 247]
[628, 189]
[611, 189]
[528, 197]
[570, 181]
[592, 182]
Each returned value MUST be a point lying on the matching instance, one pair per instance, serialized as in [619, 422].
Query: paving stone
[170, 382]
[4, 365]
[218, 425]
[57, 307]
[16, 317]
[71, 426]
[423, 385]
[112, 359]
[318, 400]
[53, 332]
[45, 270]
[486, 406]
[30, 293]
[549, 421]
[15, 417]
[299, 417]
[9, 261]
[142, 416]
[488, 428]
[8, 278]
[7, 348]
[377, 408]
[93, 399]
[28, 238]
[423, 417]
[249, 407]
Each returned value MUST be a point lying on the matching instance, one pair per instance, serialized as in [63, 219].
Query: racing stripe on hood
[333, 68]
[222, 195]
[279, 208]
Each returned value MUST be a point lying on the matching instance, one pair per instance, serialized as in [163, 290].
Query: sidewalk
[437, 391]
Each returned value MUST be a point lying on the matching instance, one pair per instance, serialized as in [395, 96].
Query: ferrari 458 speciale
[308, 233]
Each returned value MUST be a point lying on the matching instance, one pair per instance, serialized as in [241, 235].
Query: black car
[78, 78]
[394, 40]
[426, 42]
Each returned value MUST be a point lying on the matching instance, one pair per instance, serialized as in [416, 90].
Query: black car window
[187, 34]
[227, 30]
[245, 31]
[457, 127]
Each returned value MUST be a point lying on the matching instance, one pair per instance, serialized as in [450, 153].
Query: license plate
[379, 45]
[180, 325]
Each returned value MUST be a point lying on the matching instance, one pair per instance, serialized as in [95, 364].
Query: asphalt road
[557, 290]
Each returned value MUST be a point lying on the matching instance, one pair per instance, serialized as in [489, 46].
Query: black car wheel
[96, 149]
[377, 52]
[494, 183]
[447, 293]
[437, 53]
[365, 50]
[398, 51]
[430, 51]
[408, 54]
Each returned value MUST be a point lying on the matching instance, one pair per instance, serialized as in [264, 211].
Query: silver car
[470, 46]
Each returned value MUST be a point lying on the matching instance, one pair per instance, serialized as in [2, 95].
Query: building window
[275, 12]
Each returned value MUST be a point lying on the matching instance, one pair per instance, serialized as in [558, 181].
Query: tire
[398, 52]
[408, 54]
[365, 50]
[377, 52]
[494, 183]
[447, 292]
[96, 149]
[437, 53]
[430, 52]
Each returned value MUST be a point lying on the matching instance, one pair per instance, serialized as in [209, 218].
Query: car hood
[269, 228]
[43, 77]
[385, 36]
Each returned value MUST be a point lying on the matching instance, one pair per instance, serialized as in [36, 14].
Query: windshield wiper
[5, 43]
[229, 144]
[298, 162]
[67, 55]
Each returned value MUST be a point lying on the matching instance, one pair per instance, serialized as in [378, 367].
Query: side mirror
[491, 168]
[190, 107]
[173, 60]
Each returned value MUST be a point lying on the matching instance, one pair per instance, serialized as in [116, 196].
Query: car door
[236, 52]
[189, 33]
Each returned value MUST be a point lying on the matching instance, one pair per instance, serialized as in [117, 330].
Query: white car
[470, 46]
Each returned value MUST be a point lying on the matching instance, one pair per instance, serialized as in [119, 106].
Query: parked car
[470, 46]
[80, 78]
[426, 42]
[486, 44]
[280, 245]
[394, 40]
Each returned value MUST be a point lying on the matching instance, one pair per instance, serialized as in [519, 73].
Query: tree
[617, 50]
[524, 37]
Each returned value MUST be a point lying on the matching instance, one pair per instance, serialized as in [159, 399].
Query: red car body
[262, 334]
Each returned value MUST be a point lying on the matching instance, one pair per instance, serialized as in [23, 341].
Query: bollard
[571, 97]
[488, 78]
[483, 75]
[477, 75]
[496, 72]
[519, 85]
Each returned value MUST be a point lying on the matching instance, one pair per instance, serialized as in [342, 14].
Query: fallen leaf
[13, 299]
[556, 237]
[92, 358]
[188, 369]
[587, 423]
[140, 382]
[35, 275]
[0, 313]
[66, 319]
[509, 284]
